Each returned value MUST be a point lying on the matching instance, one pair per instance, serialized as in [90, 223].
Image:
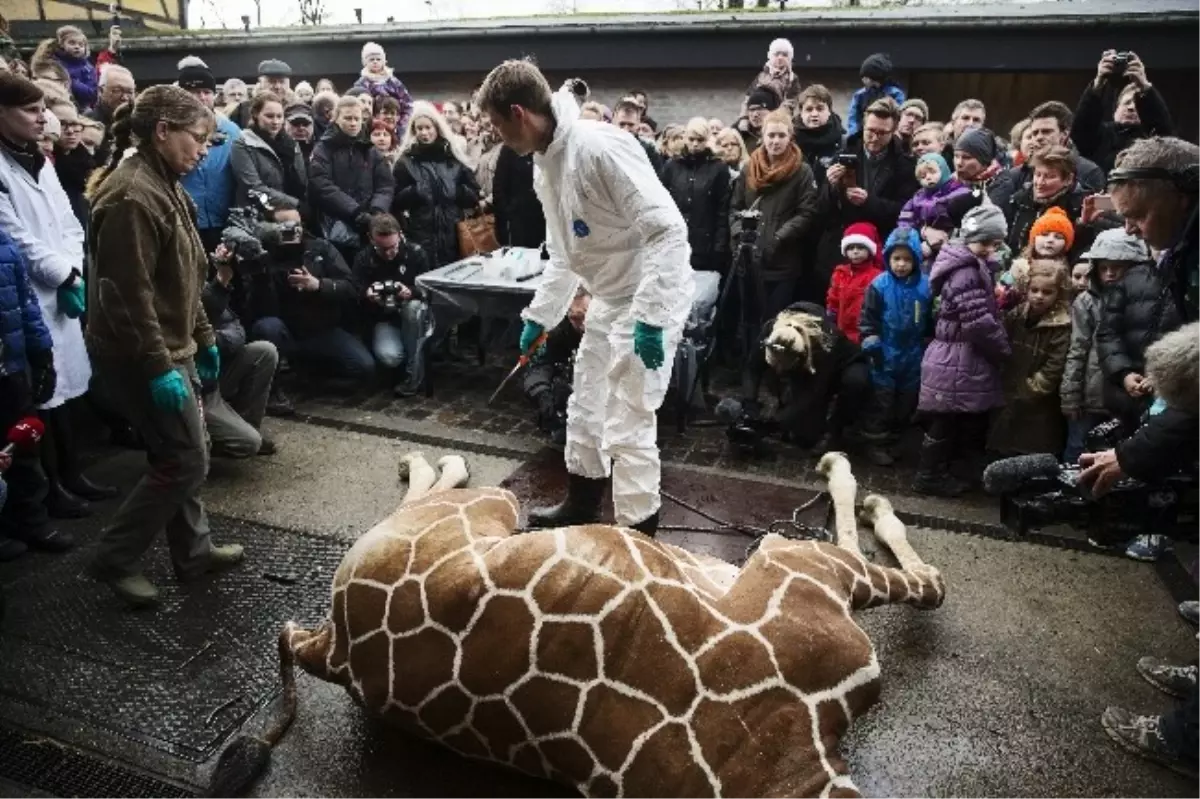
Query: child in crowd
[377, 79]
[928, 138]
[848, 286]
[383, 136]
[929, 208]
[1050, 238]
[1039, 332]
[1080, 274]
[1082, 394]
[72, 52]
[897, 317]
[877, 82]
[960, 371]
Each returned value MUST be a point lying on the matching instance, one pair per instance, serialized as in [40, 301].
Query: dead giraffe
[602, 658]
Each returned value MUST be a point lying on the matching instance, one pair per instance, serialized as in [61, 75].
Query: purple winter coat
[929, 207]
[85, 80]
[389, 87]
[960, 372]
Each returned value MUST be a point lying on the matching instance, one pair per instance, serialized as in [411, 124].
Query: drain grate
[33, 762]
[181, 679]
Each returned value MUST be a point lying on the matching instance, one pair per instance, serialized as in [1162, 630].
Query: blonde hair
[732, 134]
[698, 126]
[1053, 269]
[427, 110]
[932, 127]
[67, 31]
[779, 116]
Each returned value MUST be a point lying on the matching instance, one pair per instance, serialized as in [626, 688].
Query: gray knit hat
[1117, 245]
[984, 223]
[979, 143]
[917, 103]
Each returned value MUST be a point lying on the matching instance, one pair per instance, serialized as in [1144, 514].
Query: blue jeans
[334, 352]
[388, 344]
[1077, 430]
[402, 339]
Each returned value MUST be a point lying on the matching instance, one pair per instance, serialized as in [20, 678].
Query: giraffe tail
[247, 757]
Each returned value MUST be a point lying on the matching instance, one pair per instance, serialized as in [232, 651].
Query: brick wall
[674, 97]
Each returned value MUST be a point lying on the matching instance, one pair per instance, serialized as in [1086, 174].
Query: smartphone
[847, 160]
[1103, 202]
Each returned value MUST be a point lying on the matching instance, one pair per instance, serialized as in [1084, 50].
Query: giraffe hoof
[875, 507]
[404, 468]
[829, 462]
[454, 469]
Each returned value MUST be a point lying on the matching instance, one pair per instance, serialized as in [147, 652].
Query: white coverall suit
[611, 223]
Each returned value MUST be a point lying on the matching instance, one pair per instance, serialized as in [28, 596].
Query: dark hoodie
[700, 186]
[347, 177]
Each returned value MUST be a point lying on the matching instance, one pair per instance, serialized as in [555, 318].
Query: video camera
[1037, 491]
[251, 231]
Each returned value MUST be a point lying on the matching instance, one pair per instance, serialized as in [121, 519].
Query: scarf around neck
[760, 172]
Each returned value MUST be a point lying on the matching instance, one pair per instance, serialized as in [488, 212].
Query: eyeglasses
[72, 127]
[199, 138]
[876, 133]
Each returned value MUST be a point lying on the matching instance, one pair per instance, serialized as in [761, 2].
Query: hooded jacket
[348, 176]
[1100, 138]
[862, 99]
[609, 222]
[1137, 312]
[700, 186]
[256, 166]
[148, 270]
[433, 188]
[960, 371]
[388, 86]
[897, 317]
[936, 207]
[1032, 419]
[22, 328]
[1083, 380]
[211, 184]
[85, 80]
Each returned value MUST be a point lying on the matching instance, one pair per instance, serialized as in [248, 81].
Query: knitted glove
[529, 334]
[169, 391]
[72, 298]
[648, 344]
[208, 364]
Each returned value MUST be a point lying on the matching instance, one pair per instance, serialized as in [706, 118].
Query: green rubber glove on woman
[169, 391]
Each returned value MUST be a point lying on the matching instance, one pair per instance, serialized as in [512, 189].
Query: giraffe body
[605, 659]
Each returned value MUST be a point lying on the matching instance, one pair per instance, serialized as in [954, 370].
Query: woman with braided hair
[150, 341]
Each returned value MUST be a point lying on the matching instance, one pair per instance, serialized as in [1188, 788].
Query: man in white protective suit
[611, 224]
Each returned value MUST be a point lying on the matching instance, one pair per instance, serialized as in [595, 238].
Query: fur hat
[370, 49]
[195, 74]
[1173, 365]
[917, 103]
[1117, 245]
[979, 143]
[863, 234]
[877, 67]
[937, 160]
[984, 223]
[1055, 220]
[765, 96]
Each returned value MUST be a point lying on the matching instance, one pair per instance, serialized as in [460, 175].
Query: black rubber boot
[647, 526]
[82, 487]
[62, 504]
[933, 475]
[582, 505]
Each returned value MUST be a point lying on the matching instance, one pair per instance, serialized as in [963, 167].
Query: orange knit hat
[1055, 220]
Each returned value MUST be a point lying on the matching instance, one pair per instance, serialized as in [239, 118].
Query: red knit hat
[866, 235]
[1055, 220]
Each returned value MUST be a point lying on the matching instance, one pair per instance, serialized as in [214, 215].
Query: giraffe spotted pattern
[610, 661]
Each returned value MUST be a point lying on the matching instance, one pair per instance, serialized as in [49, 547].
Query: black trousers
[24, 513]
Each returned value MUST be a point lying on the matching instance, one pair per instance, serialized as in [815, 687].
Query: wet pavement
[997, 693]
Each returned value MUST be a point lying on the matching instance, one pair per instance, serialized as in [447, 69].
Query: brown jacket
[148, 269]
[1032, 420]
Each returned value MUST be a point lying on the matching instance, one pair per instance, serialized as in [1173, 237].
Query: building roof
[1068, 13]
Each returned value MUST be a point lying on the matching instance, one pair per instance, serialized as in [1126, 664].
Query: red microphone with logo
[24, 435]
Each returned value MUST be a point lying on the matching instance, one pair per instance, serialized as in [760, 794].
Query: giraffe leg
[420, 475]
[454, 473]
[879, 513]
[842, 488]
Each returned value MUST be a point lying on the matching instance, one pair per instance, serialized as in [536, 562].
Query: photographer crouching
[547, 382]
[385, 274]
[812, 368]
[1155, 188]
[301, 298]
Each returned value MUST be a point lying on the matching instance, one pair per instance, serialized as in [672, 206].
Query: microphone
[24, 435]
[1011, 474]
[728, 411]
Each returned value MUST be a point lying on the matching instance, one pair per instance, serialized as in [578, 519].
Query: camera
[579, 88]
[1120, 63]
[250, 234]
[847, 161]
[389, 291]
[749, 220]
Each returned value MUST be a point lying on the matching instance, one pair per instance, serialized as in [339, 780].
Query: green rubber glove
[72, 299]
[648, 344]
[208, 364]
[169, 391]
[529, 334]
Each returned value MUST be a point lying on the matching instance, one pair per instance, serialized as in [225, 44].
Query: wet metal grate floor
[181, 679]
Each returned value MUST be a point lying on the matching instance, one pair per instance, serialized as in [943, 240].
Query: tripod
[745, 282]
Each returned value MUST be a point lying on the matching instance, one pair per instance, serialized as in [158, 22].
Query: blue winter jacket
[897, 317]
[862, 100]
[22, 327]
[211, 183]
